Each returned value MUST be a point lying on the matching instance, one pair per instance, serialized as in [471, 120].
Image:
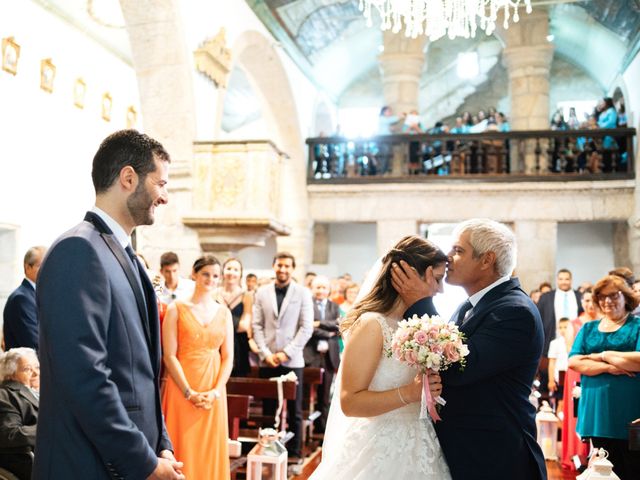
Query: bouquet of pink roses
[429, 343]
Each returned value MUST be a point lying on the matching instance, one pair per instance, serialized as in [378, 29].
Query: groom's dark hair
[419, 254]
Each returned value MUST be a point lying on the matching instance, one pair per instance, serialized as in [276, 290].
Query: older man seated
[19, 372]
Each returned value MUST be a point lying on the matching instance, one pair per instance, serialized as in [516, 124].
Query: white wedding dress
[397, 445]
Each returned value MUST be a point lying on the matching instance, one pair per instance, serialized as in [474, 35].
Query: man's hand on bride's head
[410, 286]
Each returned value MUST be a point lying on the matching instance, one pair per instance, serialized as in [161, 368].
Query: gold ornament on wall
[213, 59]
[79, 93]
[10, 55]
[107, 103]
[47, 75]
[132, 117]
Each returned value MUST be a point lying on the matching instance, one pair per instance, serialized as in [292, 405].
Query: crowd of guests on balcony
[593, 156]
[564, 155]
[483, 121]
[605, 115]
[216, 324]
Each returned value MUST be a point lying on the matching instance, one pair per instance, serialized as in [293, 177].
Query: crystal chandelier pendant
[437, 18]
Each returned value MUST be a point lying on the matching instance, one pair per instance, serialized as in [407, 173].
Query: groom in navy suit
[488, 424]
[100, 414]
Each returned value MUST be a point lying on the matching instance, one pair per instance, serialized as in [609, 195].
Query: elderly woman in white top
[19, 371]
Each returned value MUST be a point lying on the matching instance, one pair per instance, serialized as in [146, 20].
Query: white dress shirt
[116, 228]
[565, 305]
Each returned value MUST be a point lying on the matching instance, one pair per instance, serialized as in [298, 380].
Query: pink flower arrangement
[429, 343]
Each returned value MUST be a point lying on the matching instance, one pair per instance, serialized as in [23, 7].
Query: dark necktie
[464, 308]
[134, 260]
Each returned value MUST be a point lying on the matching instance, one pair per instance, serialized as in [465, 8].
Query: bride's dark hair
[418, 253]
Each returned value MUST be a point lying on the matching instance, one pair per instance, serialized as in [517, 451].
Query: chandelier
[436, 18]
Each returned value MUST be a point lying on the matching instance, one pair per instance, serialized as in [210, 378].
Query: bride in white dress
[374, 430]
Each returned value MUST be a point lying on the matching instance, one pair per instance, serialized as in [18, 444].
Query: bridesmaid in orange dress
[571, 443]
[197, 338]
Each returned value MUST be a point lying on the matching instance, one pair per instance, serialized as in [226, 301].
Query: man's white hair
[9, 361]
[486, 235]
[321, 279]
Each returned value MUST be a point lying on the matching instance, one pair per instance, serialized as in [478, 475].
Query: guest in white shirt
[174, 288]
[558, 361]
[556, 304]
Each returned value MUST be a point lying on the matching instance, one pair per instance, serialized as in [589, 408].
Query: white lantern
[599, 468]
[268, 459]
[547, 424]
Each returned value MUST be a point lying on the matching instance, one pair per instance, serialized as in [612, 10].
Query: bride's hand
[435, 384]
[412, 392]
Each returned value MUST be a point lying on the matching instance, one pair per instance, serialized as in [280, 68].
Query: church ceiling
[313, 31]
[621, 17]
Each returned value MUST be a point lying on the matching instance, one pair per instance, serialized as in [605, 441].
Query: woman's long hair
[418, 253]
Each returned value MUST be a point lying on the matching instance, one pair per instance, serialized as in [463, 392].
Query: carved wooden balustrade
[489, 156]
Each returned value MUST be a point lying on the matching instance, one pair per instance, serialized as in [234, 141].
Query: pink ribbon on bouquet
[431, 403]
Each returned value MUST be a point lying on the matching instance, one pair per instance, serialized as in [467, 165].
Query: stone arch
[258, 58]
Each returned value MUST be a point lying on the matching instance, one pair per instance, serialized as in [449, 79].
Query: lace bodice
[390, 372]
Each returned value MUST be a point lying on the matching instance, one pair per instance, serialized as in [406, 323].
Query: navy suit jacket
[328, 330]
[546, 306]
[488, 424]
[100, 411]
[20, 318]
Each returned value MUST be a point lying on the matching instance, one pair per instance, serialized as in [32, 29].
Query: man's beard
[139, 206]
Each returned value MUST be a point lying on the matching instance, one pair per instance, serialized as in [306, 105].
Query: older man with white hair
[19, 368]
[488, 422]
[323, 350]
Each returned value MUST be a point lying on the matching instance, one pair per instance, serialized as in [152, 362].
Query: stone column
[320, 244]
[388, 232]
[401, 66]
[527, 58]
[621, 237]
[537, 246]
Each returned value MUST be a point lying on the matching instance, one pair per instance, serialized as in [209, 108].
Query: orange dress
[199, 436]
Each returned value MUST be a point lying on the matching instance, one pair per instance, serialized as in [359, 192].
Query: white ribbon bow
[289, 377]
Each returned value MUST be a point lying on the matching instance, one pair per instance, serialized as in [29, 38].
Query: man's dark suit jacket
[18, 418]
[100, 411]
[313, 358]
[488, 424]
[21, 318]
[548, 314]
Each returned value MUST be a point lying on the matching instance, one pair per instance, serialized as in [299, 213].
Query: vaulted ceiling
[331, 42]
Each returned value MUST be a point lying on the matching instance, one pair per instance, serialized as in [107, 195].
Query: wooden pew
[263, 388]
[312, 377]
[237, 409]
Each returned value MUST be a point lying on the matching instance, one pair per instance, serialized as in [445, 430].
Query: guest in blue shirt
[460, 127]
[387, 121]
[608, 118]
[607, 354]
[503, 123]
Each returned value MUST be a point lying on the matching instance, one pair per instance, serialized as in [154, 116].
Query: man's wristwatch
[187, 393]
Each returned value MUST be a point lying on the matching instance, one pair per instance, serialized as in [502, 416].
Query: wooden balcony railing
[490, 156]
